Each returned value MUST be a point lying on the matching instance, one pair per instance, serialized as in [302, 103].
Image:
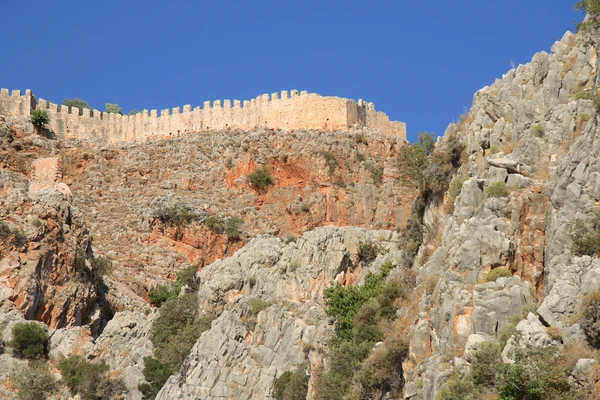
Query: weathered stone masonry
[296, 110]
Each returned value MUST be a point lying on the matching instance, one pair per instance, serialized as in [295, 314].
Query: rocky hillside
[292, 265]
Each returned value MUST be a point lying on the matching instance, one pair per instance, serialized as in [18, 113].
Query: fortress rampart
[288, 111]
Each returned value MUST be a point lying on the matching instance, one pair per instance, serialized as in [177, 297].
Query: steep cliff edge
[532, 170]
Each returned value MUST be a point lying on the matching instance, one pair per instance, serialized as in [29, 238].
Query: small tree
[261, 178]
[497, 189]
[75, 102]
[82, 377]
[39, 118]
[33, 381]
[113, 108]
[591, 7]
[30, 340]
[590, 318]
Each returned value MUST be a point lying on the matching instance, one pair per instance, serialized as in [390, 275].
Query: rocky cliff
[489, 239]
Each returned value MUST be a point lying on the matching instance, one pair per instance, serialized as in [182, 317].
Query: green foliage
[292, 385]
[232, 228]
[538, 130]
[590, 318]
[535, 375]
[493, 149]
[214, 223]
[162, 293]
[330, 160]
[174, 315]
[75, 102]
[33, 381]
[592, 7]
[497, 189]
[113, 108]
[426, 141]
[19, 238]
[457, 388]
[4, 231]
[40, 117]
[586, 236]
[497, 273]
[359, 312]
[30, 340]
[367, 252]
[411, 163]
[175, 214]
[100, 267]
[456, 185]
[485, 364]
[257, 306]
[156, 374]
[344, 303]
[582, 95]
[383, 370]
[260, 178]
[133, 112]
[173, 352]
[508, 330]
[82, 377]
[443, 163]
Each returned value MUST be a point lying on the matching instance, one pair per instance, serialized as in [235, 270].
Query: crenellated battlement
[291, 110]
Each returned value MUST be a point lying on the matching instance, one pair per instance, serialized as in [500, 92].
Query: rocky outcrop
[338, 179]
[244, 352]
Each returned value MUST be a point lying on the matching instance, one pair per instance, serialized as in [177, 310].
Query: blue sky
[419, 64]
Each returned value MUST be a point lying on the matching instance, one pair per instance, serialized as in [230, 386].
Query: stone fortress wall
[287, 111]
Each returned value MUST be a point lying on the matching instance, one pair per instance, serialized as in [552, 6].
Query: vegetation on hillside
[366, 315]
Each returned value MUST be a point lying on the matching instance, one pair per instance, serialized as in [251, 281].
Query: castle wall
[288, 111]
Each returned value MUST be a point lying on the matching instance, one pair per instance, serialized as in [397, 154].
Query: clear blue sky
[420, 62]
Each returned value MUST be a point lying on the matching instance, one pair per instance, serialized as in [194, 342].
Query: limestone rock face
[243, 353]
[529, 131]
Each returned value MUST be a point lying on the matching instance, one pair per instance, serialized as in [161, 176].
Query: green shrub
[33, 381]
[591, 7]
[260, 178]
[583, 117]
[111, 388]
[30, 340]
[160, 294]
[493, 149]
[376, 173]
[82, 377]
[535, 375]
[497, 189]
[555, 333]
[19, 238]
[174, 315]
[100, 267]
[290, 238]
[175, 214]
[176, 348]
[330, 160]
[75, 102]
[214, 223]
[113, 108]
[455, 187]
[410, 164]
[232, 228]
[443, 163]
[339, 181]
[538, 130]
[5, 231]
[457, 388]
[582, 95]
[383, 369]
[344, 303]
[590, 318]
[292, 385]
[586, 236]
[367, 252]
[40, 117]
[508, 330]
[497, 273]
[257, 306]
[485, 364]
[156, 374]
